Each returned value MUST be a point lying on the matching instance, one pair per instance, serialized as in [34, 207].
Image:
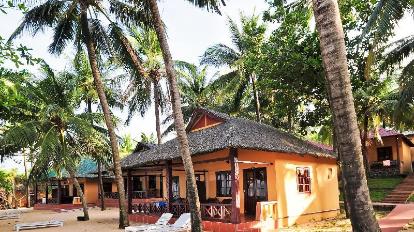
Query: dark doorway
[384, 153]
[201, 186]
[107, 187]
[255, 189]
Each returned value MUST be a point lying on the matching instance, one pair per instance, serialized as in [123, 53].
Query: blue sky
[190, 32]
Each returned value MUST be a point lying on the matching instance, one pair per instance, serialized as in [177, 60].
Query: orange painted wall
[406, 159]
[281, 183]
[90, 189]
[405, 152]
[387, 142]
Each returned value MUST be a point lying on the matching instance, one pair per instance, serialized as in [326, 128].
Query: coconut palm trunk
[256, 98]
[80, 192]
[157, 108]
[192, 192]
[99, 164]
[101, 189]
[331, 36]
[90, 45]
[364, 143]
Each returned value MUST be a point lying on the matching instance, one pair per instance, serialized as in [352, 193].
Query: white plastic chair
[162, 221]
[183, 223]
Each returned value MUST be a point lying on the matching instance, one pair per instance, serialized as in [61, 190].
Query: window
[152, 182]
[136, 183]
[176, 186]
[384, 153]
[303, 179]
[223, 184]
[330, 173]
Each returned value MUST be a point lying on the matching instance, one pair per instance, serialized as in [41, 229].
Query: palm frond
[64, 31]
[384, 16]
[219, 55]
[235, 34]
[23, 135]
[131, 14]
[39, 17]
[403, 49]
[209, 5]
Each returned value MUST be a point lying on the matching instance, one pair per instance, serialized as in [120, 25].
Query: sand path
[101, 221]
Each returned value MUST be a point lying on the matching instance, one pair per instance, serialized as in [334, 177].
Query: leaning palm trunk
[90, 45]
[364, 141]
[157, 108]
[192, 193]
[256, 98]
[100, 181]
[333, 51]
[80, 193]
[101, 189]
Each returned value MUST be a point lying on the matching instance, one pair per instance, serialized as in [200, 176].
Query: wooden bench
[36, 225]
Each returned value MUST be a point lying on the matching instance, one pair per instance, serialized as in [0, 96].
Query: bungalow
[58, 191]
[245, 171]
[392, 155]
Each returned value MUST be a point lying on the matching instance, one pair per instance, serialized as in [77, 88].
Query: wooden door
[255, 188]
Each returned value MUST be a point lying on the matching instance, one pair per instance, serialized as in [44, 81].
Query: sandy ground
[100, 221]
[337, 224]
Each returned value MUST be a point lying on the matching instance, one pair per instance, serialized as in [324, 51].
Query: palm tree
[55, 130]
[196, 90]
[331, 35]
[192, 193]
[247, 42]
[82, 74]
[81, 22]
[146, 44]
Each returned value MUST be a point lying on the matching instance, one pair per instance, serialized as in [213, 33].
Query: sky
[190, 32]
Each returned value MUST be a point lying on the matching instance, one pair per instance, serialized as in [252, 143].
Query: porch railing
[135, 194]
[111, 195]
[216, 211]
[150, 207]
[209, 211]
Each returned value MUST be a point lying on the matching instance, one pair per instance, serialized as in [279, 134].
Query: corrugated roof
[85, 169]
[233, 132]
[384, 133]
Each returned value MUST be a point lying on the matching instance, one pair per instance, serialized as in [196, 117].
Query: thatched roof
[232, 132]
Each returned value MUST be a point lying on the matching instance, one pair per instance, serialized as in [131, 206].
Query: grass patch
[379, 188]
[389, 182]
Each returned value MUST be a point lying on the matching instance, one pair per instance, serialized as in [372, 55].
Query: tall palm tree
[247, 43]
[192, 193]
[331, 35]
[81, 22]
[145, 42]
[55, 130]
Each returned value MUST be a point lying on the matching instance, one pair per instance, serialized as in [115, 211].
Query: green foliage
[242, 59]
[127, 145]
[145, 138]
[56, 135]
[196, 90]
[141, 90]
[6, 180]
